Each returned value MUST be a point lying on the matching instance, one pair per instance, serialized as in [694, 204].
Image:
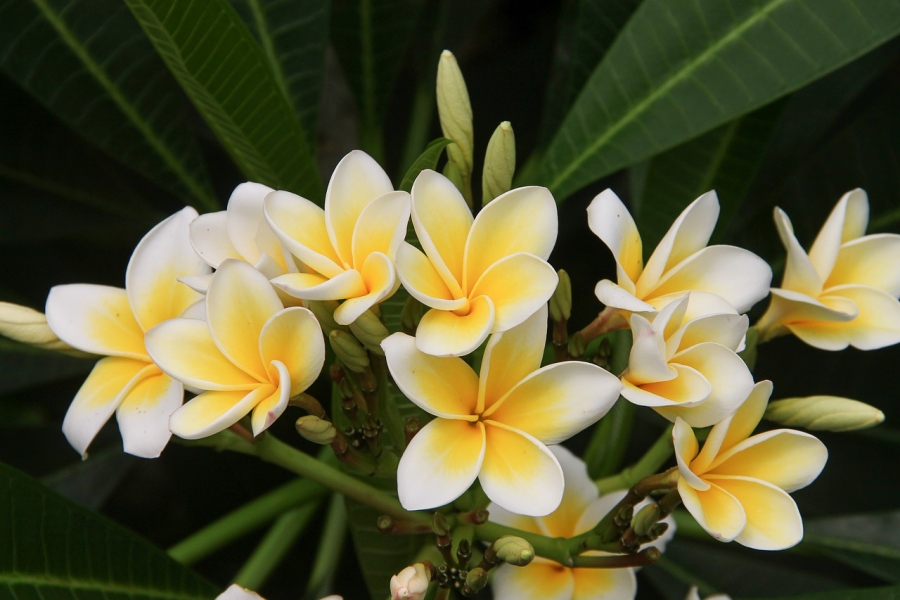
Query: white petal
[421, 279]
[610, 220]
[846, 222]
[510, 357]
[380, 279]
[198, 283]
[518, 285]
[381, 227]
[270, 408]
[685, 444]
[144, 412]
[310, 286]
[444, 333]
[540, 580]
[293, 339]
[300, 226]
[773, 521]
[800, 274]
[648, 359]
[870, 261]
[212, 412]
[209, 237]
[245, 215]
[616, 296]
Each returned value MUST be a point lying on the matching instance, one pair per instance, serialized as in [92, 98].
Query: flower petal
[557, 401]
[271, 407]
[357, 180]
[800, 274]
[161, 257]
[381, 227]
[510, 357]
[293, 339]
[727, 330]
[519, 472]
[685, 444]
[422, 281]
[444, 333]
[99, 396]
[610, 221]
[212, 412]
[700, 304]
[648, 362]
[518, 285]
[744, 421]
[609, 584]
[198, 283]
[787, 307]
[380, 279]
[717, 511]
[521, 220]
[688, 389]
[442, 222]
[870, 261]
[96, 319]
[209, 237]
[245, 215]
[540, 580]
[876, 326]
[239, 302]
[312, 286]
[616, 296]
[440, 463]
[445, 387]
[185, 350]
[773, 521]
[300, 226]
[144, 412]
[847, 221]
[579, 494]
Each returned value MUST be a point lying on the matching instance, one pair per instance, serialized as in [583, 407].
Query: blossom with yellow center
[495, 427]
[111, 321]
[687, 368]
[482, 275]
[844, 292]
[720, 278]
[251, 353]
[737, 486]
[349, 246]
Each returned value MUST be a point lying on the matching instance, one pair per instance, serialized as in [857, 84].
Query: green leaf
[870, 542]
[879, 593]
[23, 366]
[682, 67]
[293, 36]
[89, 63]
[725, 160]
[427, 160]
[90, 482]
[226, 75]
[53, 548]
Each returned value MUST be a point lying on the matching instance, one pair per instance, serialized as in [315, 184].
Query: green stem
[553, 548]
[271, 550]
[328, 557]
[653, 459]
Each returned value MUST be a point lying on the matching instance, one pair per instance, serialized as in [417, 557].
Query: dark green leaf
[89, 63]
[226, 75]
[53, 548]
[870, 543]
[427, 160]
[879, 593]
[23, 366]
[682, 67]
[90, 482]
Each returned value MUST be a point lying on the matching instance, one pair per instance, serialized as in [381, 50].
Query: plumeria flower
[720, 278]
[844, 292]
[251, 353]
[236, 592]
[411, 583]
[239, 232]
[737, 486]
[111, 321]
[580, 510]
[479, 276]
[350, 246]
[687, 368]
[495, 427]
[694, 594]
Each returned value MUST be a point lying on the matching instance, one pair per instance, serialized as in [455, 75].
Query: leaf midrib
[654, 95]
[15, 579]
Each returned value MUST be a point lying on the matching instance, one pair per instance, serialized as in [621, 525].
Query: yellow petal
[312, 286]
[717, 511]
[96, 319]
[380, 279]
[99, 396]
[870, 261]
[357, 180]
[185, 350]
[800, 275]
[511, 356]
[788, 307]
[270, 408]
[521, 220]
[442, 222]
[541, 580]
[685, 444]
[300, 226]
[610, 220]
[239, 302]
[444, 333]
[609, 584]
[773, 521]
[446, 387]
[517, 285]
[688, 389]
[876, 326]
[846, 222]
[293, 338]
[212, 412]
[423, 282]
[381, 227]
[440, 463]
[144, 412]
[579, 494]
[744, 421]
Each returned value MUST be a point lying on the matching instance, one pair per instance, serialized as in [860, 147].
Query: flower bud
[324, 312]
[577, 345]
[455, 111]
[369, 330]
[410, 316]
[476, 580]
[499, 163]
[30, 327]
[411, 583]
[824, 413]
[456, 177]
[513, 550]
[645, 519]
[561, 300]
[316, 430]
[349, 350]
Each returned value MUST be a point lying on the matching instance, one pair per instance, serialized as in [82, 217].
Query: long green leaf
[875, 593]
[89, 63]
[427, 160]
[226, 75]
[682, 67]
[23, 366]
[53, 548]
[870, 543]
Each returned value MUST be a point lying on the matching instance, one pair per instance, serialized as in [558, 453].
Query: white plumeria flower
[411, 583]
[495, 428]
[694, 594]
[737, 486]
[251, 353]
[349, 246]
[236, 592]
[581, 509]
[239, 232]
[687, 368]
[844, 292]
[720, 278]
[482, 275]
[111, 321]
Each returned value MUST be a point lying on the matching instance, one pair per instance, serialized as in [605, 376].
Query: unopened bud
[645, 519]
[440, 525]
[658, 530]
[324, 312]
[411, 583]
[499, 163]
[369, 330]
[576, 345]
[316, 430]
[455, 175]
[476, 580]
[30, 327]
[824, 413]
[349, 350]
[561, 300]
[513, 550]
[455, 112]
[411, 315]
